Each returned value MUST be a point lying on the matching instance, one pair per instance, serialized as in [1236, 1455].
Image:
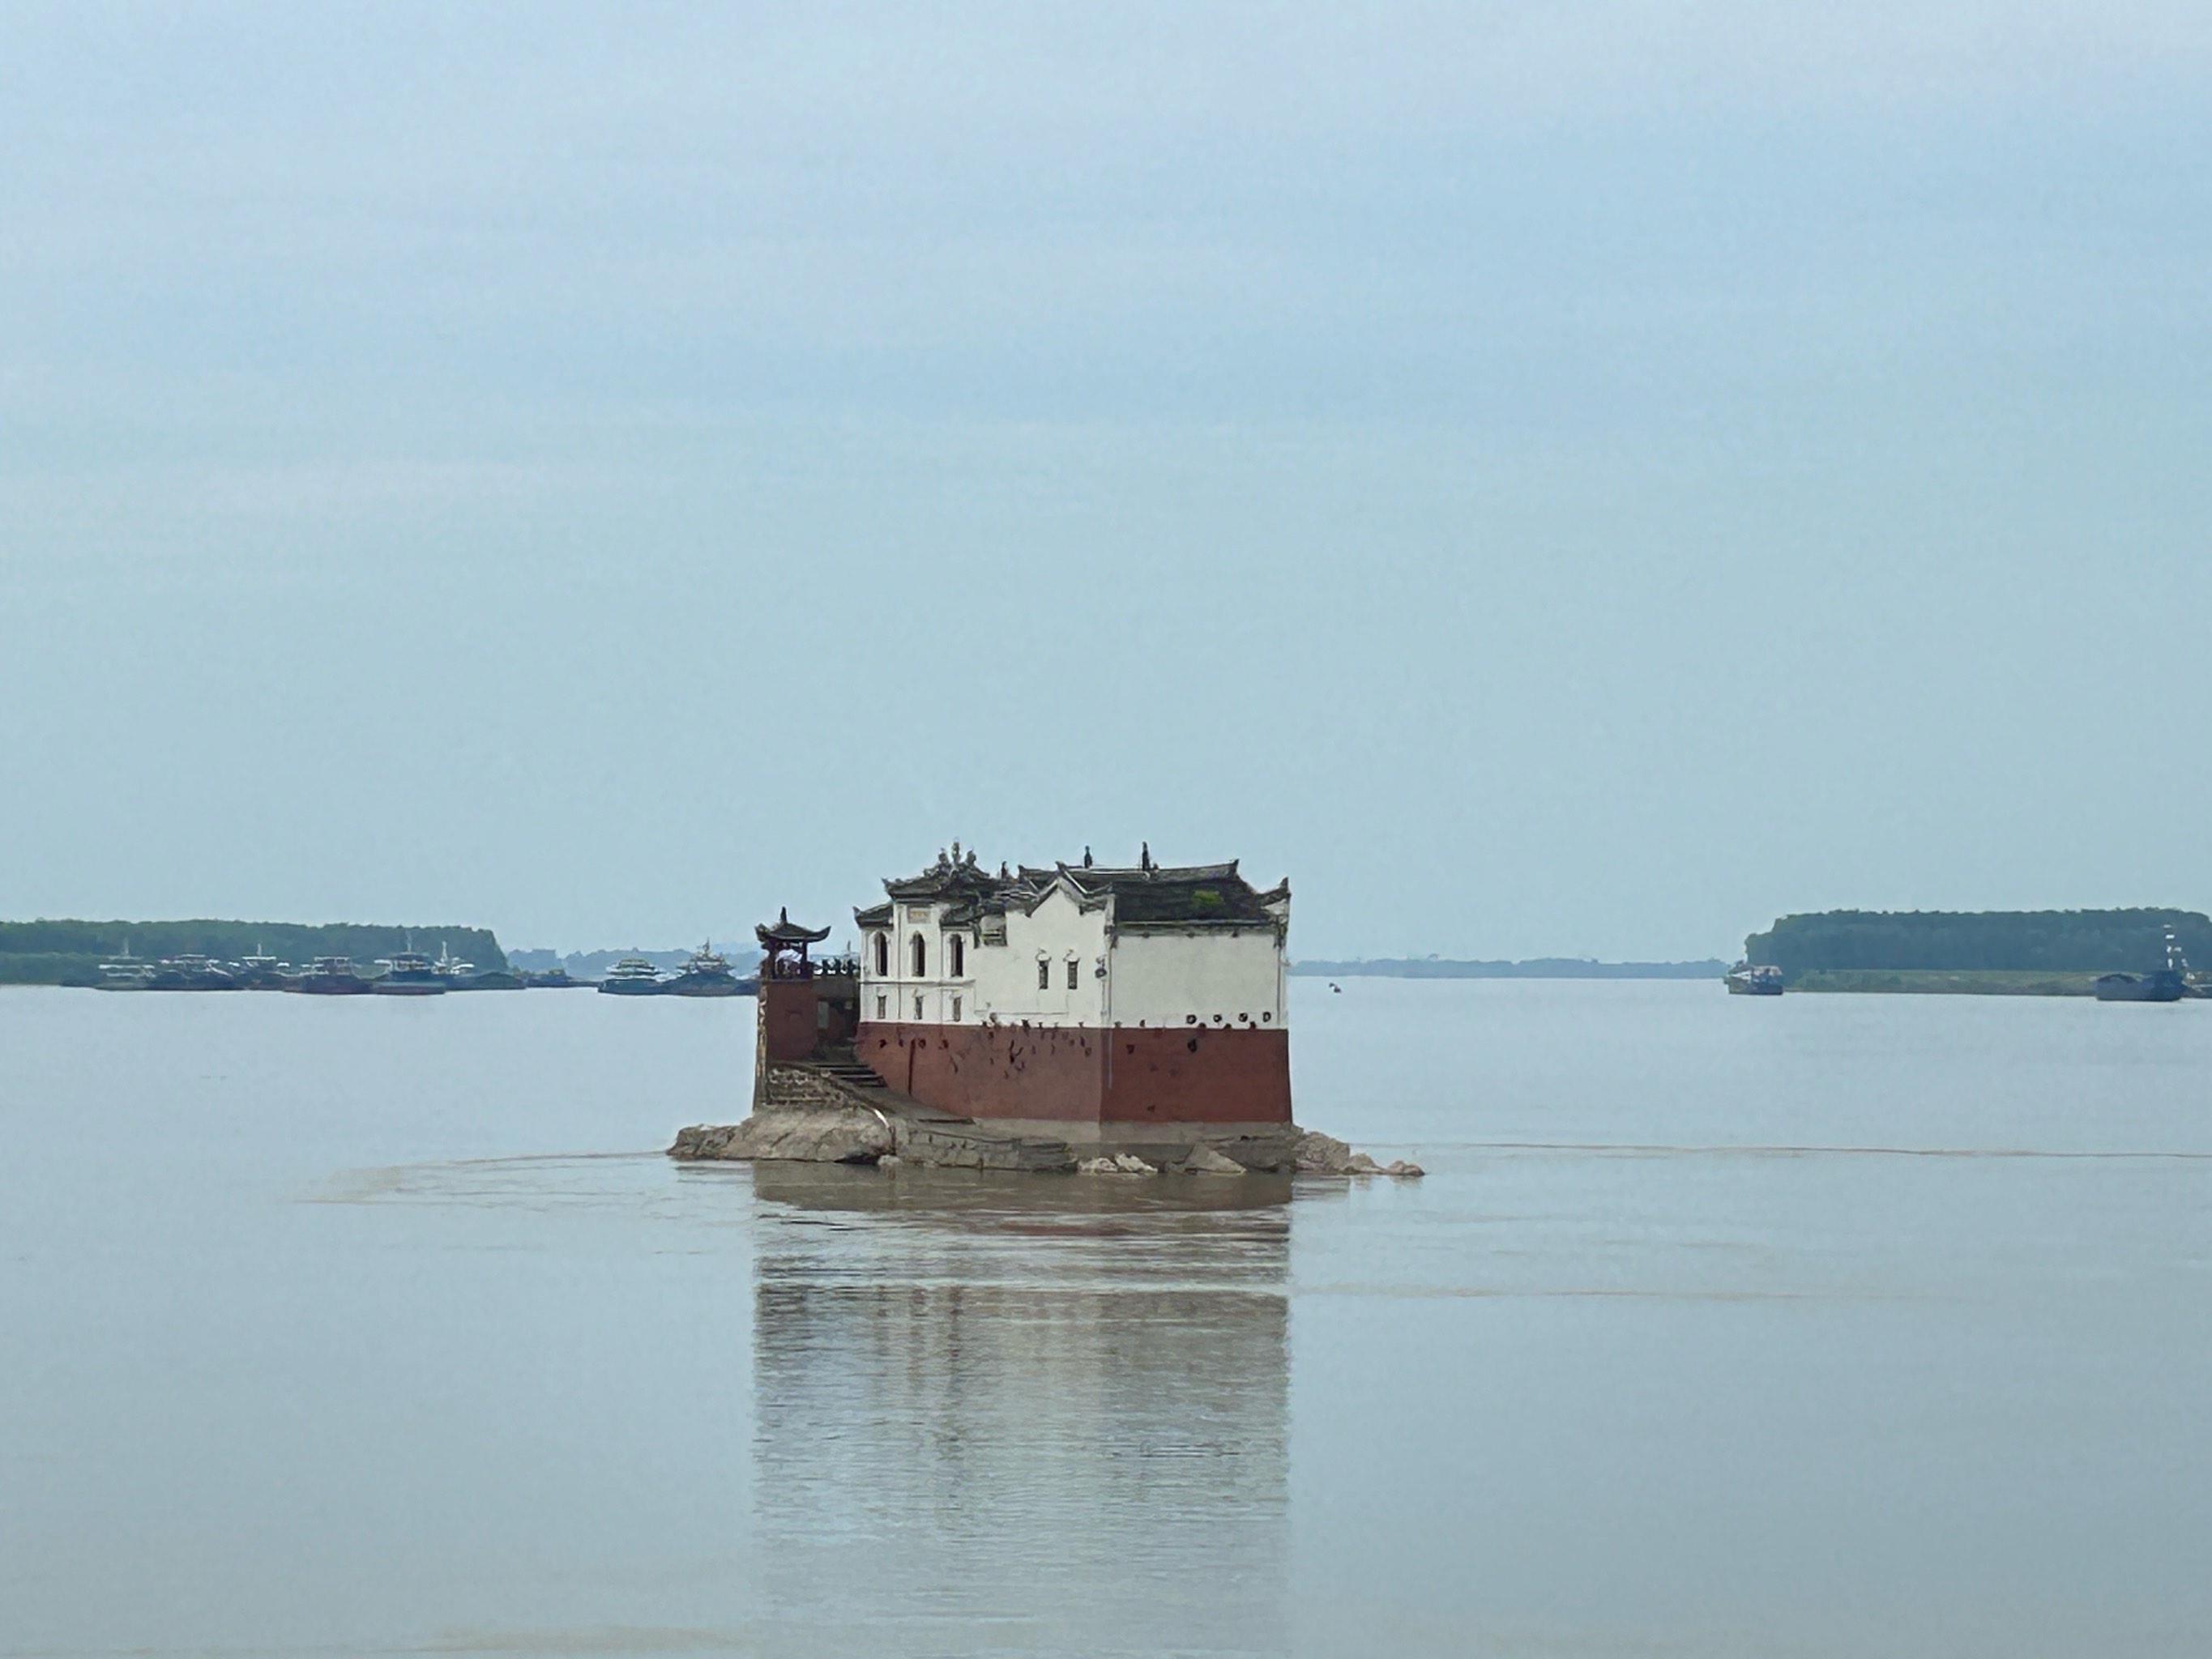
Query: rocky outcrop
[860, 1135]
[1316, 1153]
[1202, 1160]
[829, 1134]
[962, 1146]
[818, 1119]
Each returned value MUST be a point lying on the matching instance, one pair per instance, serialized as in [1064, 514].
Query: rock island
[1053, 1019]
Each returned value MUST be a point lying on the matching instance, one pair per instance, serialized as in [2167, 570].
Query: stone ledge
[839, 1135]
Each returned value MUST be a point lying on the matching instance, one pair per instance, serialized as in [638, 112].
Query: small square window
[881, 1009]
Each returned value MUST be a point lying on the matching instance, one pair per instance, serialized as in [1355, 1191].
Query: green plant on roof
[1205, 898]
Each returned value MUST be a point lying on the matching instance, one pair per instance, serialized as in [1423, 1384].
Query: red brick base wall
[1077, 1074]
[787, 1018]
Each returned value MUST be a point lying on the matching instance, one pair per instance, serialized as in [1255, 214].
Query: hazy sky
[1549, 477]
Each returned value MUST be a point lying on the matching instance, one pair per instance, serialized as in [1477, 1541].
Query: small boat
[409, 974]
[1744, 980]
[329, 976]
[552, 978]
[126, 972]
[633, 976]
[2166, 984]
[706, 974]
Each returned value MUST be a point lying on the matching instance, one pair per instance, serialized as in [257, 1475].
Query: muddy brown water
[1823, 1326]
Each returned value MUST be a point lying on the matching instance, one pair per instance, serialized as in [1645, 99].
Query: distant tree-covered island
[2032, 950]
[70, 953]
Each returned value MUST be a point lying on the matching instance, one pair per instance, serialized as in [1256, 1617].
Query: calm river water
[1829, 1326]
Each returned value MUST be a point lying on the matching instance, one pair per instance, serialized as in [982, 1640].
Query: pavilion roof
[786, 932]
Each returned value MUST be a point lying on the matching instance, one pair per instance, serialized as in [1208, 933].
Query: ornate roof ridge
[1090, 875]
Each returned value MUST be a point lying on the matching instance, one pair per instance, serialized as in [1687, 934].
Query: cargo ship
[408, 974]
[457, 976]
[125, 973]
[2166, 984]
[329, 976]
[706, 974]
[262, 973]
[1744, 980]
[190, 973]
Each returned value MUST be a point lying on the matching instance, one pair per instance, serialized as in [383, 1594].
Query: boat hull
[492, 980]
[704, 987]
[2164, 985]
[630, 987]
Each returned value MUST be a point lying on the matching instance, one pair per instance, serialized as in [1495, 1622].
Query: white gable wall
[1226, 979]
[1057, 931]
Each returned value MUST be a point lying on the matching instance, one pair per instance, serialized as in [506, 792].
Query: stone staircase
[927, 1133]
[850, 1072]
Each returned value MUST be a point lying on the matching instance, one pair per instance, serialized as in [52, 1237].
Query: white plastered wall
[1228, 980]
[896, 992]
[1057, 931]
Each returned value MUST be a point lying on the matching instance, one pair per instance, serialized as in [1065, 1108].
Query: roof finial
[1144, 857]
[783, 914]
[1086, 857]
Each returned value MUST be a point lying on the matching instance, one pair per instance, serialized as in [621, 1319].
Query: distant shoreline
[1945, 982]
[1537, 967]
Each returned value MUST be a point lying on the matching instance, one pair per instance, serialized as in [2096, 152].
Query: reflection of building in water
[1069, 1428]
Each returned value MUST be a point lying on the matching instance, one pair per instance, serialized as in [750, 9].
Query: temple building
[1098, 1004]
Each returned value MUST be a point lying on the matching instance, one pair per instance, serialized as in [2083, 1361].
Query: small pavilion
[784, 946]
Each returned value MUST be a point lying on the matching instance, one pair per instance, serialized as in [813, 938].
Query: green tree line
[63, 952]
[2060, 941]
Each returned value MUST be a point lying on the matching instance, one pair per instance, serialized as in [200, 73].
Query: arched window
[920, 957]
[959, 950]
[883, 955]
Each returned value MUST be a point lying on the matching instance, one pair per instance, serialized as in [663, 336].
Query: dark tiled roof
[875, 915]
[1148, 895]
[951, 876]
[785, 931]
[1208, 894]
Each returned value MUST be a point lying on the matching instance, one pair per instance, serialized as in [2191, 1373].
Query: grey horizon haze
[1555, 479]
